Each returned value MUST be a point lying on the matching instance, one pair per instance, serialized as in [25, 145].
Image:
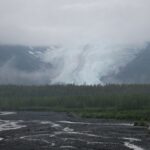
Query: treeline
[110, 98]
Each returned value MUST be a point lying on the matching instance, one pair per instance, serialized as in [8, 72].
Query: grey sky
[45, 22]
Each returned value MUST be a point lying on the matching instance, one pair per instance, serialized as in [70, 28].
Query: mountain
[21, 57]
[136, 71]
[22, 65]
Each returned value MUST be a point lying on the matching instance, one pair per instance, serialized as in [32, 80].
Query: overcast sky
[45, 22]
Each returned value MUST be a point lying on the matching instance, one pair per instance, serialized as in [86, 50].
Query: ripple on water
[52, 124]
[67, 129]
[129, 143]
[3, 113]
[10, 125]
[91, 123]
[131, 139]
[67, 147]
[75, 133]
[132, 146]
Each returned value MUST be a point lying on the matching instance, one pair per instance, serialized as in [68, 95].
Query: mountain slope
[21, 65]
[138, 70]
[21, 57]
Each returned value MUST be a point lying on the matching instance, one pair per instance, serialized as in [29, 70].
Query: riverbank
[57, 130]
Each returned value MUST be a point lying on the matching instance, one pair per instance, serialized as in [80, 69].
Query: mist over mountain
[21, 57]
[84, 41]
[39, 65]
[138, 70]
[21, 65]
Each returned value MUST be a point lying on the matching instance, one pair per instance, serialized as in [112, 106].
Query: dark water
[54, 131]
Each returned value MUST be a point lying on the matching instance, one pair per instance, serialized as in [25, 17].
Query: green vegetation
[141, 123]
[110, 101]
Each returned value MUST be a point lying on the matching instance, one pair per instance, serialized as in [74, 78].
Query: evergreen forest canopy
[109, 101]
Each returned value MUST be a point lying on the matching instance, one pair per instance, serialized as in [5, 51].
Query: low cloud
[9, 74]
[93, 38]
[87, 64]
[46, 22]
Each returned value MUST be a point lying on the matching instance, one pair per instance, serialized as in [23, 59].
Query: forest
[110, 101]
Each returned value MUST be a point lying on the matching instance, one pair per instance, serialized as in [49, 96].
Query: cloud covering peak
[45, 22]
[92, 38]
